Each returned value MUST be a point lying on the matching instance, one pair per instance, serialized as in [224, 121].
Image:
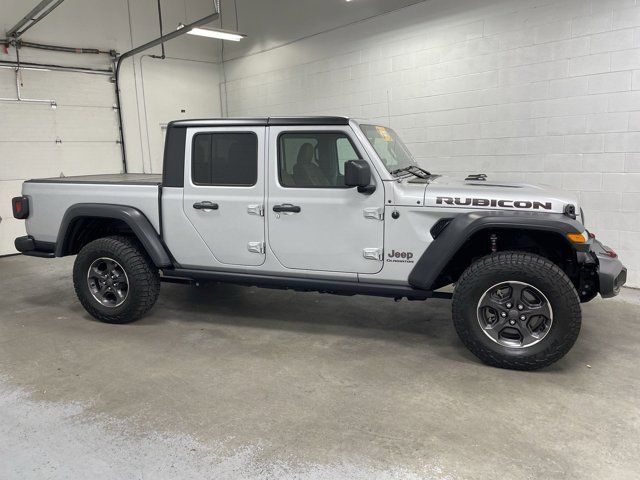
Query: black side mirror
[357, 173]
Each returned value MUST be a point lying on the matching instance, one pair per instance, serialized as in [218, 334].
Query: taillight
[20, 207]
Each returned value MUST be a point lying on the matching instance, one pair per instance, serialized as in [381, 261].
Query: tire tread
[503, 263]
[138, 267]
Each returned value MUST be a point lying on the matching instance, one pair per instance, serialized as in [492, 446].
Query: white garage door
[78, 137]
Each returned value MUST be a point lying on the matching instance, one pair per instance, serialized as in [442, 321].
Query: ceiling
[267, 23]
[272, 23]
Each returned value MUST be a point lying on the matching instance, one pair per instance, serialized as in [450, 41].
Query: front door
[315, 222]
[224, 192]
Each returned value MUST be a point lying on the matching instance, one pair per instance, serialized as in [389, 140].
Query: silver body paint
[340, 234]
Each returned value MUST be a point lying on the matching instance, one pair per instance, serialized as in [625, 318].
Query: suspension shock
[493, 243]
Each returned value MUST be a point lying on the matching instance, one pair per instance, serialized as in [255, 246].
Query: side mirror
[357, 173]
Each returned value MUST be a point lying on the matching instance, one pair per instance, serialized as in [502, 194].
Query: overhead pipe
[59, 48]
[141, 48]
[32, 17]
[163, 56]
[48, 66]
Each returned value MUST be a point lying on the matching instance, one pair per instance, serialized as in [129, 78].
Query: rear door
[315, 222]
[224, 192]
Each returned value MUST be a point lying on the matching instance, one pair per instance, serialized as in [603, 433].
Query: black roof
[260, 122]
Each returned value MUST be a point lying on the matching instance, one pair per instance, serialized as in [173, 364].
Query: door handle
[206, 206]
[286, 208]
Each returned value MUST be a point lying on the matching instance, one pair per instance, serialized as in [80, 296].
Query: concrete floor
[228, 382]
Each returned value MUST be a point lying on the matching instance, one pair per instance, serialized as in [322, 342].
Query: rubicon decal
[488, 202]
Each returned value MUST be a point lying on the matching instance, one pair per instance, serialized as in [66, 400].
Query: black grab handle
[206, 206]
[286, 208]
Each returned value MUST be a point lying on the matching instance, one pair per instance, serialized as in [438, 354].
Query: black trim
[133, 217]
[435, 259]
[48, 180]
[259, 122]
[104, 179]
[27, 245]
[319, 121]
[439, 227]
[174, 156]
[24, 244]
[340, 287]
[612, 274]
[219, 122]
[39, 254]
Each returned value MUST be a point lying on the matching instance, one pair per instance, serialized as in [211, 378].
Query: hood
[450, 192]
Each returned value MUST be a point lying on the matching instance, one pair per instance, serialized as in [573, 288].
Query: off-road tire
[143, 279]
[528, 268]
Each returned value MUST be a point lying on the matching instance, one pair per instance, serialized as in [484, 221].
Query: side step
[339, 287]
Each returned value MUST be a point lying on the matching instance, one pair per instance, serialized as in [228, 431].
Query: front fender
[437, 256]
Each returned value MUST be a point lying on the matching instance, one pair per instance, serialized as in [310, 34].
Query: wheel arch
[84, 222]
[468, 237]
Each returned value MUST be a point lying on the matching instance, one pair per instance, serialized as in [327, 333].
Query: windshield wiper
[414, 170]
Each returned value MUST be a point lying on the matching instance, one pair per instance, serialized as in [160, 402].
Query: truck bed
[106, 179]
[51, 197]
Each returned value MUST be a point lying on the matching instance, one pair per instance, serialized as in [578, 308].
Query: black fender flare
[134, 218]
[438, 254]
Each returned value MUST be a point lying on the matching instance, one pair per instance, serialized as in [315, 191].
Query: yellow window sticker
[384, 134]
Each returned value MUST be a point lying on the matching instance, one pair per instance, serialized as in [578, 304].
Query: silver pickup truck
[332, 205]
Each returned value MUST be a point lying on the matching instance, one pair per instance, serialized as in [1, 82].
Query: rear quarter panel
[49, 202]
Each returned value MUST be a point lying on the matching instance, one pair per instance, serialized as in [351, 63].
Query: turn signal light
[576, 237]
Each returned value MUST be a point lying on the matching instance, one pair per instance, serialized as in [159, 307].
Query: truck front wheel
[516, 310]
[115, 280]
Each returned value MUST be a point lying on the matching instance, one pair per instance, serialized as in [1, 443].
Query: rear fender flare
[134, 218]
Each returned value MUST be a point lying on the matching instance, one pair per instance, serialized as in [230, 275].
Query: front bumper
[612, 274]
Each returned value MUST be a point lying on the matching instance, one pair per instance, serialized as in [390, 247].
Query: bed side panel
[49, 202]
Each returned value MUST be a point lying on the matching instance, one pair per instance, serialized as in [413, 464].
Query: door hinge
[256, 247]
[372, 253]
[256, 210]
[374, 213]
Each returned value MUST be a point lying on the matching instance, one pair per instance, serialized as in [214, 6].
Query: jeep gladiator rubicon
[331, 205]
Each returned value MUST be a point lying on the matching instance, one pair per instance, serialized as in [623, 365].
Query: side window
[346, 152]
[314, 160]
[225, 159]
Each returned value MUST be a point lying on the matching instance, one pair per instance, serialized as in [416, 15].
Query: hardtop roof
[260, 121]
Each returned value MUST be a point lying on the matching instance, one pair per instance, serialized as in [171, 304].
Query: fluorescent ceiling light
[221, 34]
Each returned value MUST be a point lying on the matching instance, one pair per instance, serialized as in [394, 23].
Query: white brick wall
[534, 90]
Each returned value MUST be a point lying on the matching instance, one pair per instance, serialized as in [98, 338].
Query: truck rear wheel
[115, 280]
[516, 310]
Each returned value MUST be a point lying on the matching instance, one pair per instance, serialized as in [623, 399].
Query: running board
[339, 287]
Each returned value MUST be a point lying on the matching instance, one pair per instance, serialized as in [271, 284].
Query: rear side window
[225, 159]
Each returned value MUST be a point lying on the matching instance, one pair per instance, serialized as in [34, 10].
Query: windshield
[393, 153]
